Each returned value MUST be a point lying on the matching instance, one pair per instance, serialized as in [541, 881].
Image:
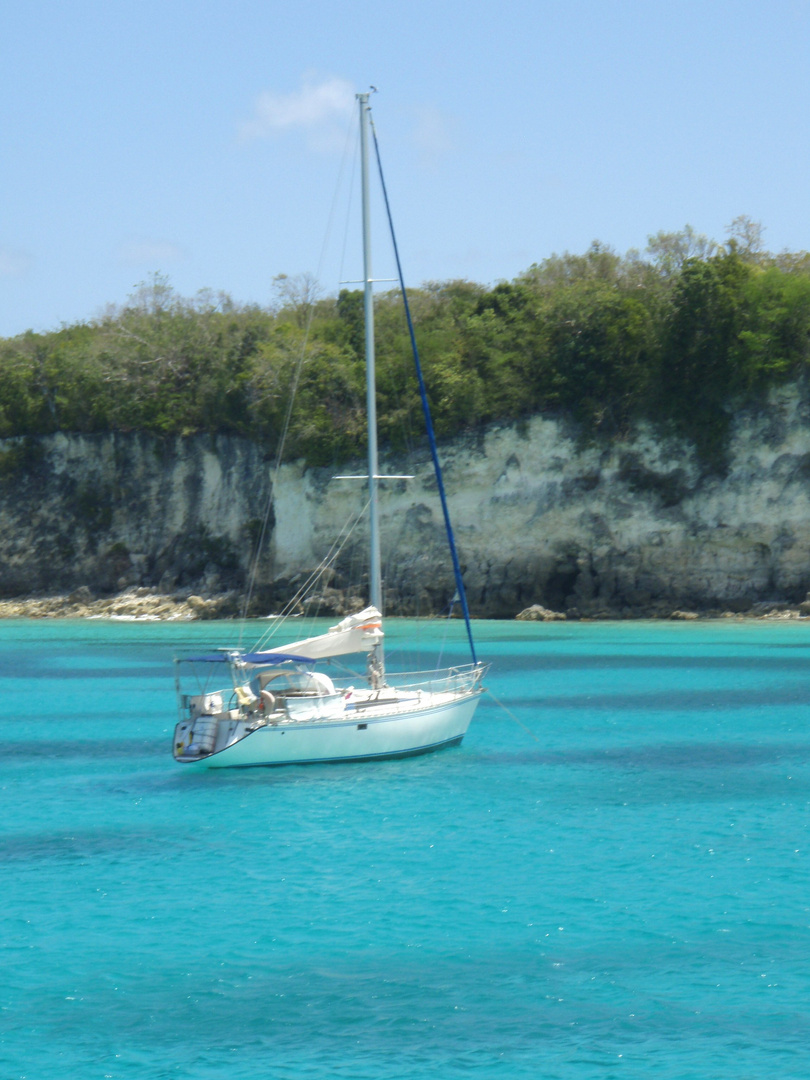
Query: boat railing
[459, 680]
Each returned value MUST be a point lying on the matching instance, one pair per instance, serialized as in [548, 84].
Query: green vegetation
[681, 335]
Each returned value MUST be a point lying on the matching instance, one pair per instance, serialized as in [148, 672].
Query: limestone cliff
[110, 511]
[634, 526]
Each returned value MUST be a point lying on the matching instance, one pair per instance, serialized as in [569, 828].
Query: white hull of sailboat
[352, 738]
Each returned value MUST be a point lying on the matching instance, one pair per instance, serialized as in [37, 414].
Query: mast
[375, 571]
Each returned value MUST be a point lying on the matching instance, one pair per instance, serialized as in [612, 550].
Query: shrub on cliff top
[682, 335]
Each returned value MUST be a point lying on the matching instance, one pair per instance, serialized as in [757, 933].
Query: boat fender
[204, 733]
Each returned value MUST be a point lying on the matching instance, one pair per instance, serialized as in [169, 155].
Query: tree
[746, 236]
[296, 296]
[602, 348]
[701, 370]
[670, 250]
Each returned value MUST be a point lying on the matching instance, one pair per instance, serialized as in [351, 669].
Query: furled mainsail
[355, 633]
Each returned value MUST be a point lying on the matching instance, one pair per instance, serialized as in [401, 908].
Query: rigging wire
[425, 405]
[511, 715]
[331, 556]
[355, 156]
[293, 392]
[337, 546]
[446, 620]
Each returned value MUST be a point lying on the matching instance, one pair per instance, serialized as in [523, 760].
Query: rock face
[630, 527]
[112, 511]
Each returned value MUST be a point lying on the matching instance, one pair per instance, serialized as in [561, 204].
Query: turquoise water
[625, 894]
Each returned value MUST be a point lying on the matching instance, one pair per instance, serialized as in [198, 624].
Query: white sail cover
[355, 633]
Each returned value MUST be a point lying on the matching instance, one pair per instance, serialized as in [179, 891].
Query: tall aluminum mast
[375, 571]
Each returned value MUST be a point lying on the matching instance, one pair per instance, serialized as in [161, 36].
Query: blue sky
[206, 140]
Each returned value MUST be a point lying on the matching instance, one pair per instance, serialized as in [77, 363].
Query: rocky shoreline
[147, 605]
[537, 613]
[133, 604]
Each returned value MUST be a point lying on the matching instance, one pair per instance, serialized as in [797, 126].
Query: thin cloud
[149, 252]
[14, 263]
[315, 109]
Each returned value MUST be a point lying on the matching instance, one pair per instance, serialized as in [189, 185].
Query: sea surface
[609, 878]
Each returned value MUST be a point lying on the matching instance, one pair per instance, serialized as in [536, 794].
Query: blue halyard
[426, 407]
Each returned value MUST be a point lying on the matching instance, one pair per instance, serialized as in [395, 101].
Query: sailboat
[279, 707]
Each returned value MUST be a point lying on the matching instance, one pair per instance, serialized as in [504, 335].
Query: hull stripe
[388, 755]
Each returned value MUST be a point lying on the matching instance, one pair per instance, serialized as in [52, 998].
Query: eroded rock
[538, 613]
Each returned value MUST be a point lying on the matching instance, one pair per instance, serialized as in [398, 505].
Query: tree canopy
[681, 334]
